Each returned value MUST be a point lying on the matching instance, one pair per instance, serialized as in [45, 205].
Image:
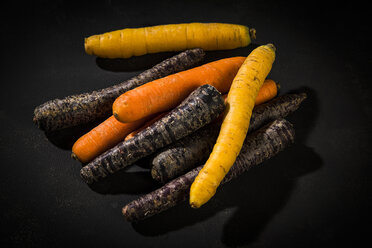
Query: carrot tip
[252, 33]
[194, 205]
[155, 175]
[124, 210]
[73, 155]
[272, 46]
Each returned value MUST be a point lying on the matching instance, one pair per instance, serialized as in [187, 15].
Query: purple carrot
[193, 150]
[258, 147]
[83, 108]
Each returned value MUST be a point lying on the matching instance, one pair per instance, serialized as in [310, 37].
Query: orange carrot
[103, 137]
[147, 124]
[267, 92]
[166, 93]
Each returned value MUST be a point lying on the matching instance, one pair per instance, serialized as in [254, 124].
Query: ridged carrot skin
[129, 42]
[268, 91]
[103, 137]
[240, 103]
[166, 93]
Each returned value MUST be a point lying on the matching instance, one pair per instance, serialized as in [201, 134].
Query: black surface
[317, 193]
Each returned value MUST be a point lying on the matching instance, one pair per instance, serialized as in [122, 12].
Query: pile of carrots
[147, 120]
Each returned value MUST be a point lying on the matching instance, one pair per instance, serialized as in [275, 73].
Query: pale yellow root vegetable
[239, 106]
[130, 42]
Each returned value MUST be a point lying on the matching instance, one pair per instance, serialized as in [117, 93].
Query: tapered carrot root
[87, 107]
[240, 103]
[130, 42]
[103, 137]
[268, 91]
[258, 147]
[166, 93]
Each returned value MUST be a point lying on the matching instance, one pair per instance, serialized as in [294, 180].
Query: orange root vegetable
[147, 124]
[268, 91]
[240, 103]
[130, 42]
[166, 93]
[103, 137]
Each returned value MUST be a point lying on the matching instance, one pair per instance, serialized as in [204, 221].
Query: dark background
[316, 193]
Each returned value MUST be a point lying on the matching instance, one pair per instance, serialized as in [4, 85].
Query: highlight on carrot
[103, 137]
[145, 125]
[268, 91]
[129, 42]
[87, 107]
[240, 103]
[201, 107]
[191, 151]
[258, 146]
[166, 93]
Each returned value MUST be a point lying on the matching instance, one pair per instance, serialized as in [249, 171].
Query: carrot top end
[252, 33]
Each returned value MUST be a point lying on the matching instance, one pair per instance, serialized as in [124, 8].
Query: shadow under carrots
[65, 138]
[126, 182]
[262, 192]
[147, 61]
[221, 54]
[256, 196]
[135, 63]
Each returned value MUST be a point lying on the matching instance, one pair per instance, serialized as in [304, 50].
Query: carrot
[240, 103]
[198, 109]
[166, 93]
[268, 91]
[194, 149]
[130, 42]
[87, 107]
[103, 137]
[259, 146]
[145, 125]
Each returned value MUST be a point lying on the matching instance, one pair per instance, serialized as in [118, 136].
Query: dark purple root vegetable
[201, 107]
[187, 153]
[87, 107]
[258, 147]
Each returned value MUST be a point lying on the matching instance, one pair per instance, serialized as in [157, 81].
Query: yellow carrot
[240, 103]
[130, 42]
